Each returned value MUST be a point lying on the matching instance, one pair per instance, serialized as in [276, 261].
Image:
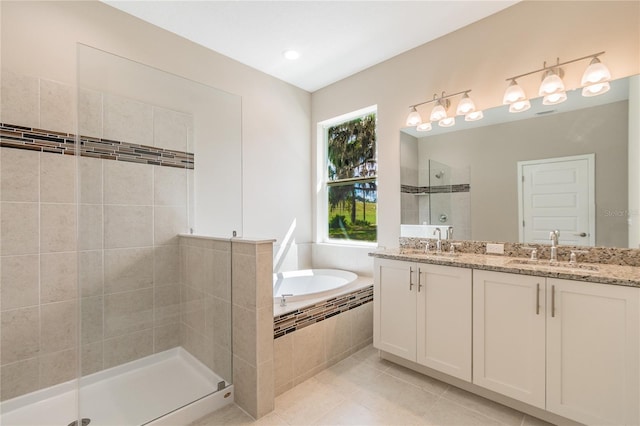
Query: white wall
[39, 39]
[479, 57]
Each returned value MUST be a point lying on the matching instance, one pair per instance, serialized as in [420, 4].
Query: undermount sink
[581, 267]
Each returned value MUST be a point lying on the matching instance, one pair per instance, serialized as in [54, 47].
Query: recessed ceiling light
[291, 54]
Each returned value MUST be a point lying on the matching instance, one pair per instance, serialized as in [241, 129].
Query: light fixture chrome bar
[544, 68]
[436, 98]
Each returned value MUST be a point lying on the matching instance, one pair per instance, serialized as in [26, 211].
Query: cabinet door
[444, 319]
[509, 335]
[592, 352]
[394, 298]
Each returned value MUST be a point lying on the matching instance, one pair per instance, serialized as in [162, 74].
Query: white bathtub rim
[348, 276]
[360, 283]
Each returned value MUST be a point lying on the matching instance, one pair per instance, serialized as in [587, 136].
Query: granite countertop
[589, 272]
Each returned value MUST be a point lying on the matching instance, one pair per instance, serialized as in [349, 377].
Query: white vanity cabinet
[569, 347]
[593, 352]
[422, 313]
[509, 335]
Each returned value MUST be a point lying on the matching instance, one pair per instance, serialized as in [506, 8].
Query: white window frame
[322, 177]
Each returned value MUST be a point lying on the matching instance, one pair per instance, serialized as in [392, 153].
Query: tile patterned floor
[366, 390]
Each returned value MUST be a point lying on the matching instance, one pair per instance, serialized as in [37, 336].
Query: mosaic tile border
[32, 139]
[441, 189]
[301, 318]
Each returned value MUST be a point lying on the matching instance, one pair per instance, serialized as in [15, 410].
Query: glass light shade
[465, 106]
[554, 98]
[514, 93]
[424, 127]
[552, 83]
[413, 119]
[474, 116]
[596, 89]
[596, 72]
[520, 106]
[438, 113]
[447, 122]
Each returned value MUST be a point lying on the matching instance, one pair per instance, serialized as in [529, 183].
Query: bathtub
[310, 283]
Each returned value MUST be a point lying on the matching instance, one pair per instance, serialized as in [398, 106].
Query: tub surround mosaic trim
[303, 317]
[440, 189]
[32, 139]
[600, 255]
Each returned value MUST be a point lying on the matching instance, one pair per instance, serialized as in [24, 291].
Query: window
[351, 190]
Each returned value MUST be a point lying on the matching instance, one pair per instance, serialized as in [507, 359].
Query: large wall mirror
[470, 176]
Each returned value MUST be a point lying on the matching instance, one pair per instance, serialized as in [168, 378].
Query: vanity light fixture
[439, 114]
[595, 81]
[414, 118]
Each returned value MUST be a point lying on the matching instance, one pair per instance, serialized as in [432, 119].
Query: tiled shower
[93, 273]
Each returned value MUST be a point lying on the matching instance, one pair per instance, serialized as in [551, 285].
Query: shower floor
[131, 394]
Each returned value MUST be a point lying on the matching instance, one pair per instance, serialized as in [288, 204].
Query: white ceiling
[335, 38]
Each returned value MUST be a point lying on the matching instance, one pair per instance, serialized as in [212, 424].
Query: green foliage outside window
[352, 179]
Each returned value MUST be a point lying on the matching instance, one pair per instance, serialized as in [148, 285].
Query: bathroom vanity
[552, 340]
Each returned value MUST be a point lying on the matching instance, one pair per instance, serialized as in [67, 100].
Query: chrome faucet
[553, 236]
[283, 301]
[439, 242]
[450, 233]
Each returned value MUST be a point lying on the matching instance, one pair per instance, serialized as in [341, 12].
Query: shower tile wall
[125, 255]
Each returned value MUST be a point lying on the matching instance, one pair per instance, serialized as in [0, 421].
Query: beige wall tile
[171, 129]
[308, 349]
[193, 308]
[283, 363]
[128, 312]
[90, 113]
[90, 180]
[57, 106]
[59, 277]
[220, 284]
[128, 269]
[91, 319]
[127, 120]
[128, 226]
[166, 305]
[244, 280]
[128, 183]
[197, 344]
[264, 278]
[222, 358]
[264, 330]
[57, 228]
[337, 337]
[19, 227]
[20, 174]
[169, 186]
[57, 178]
[20, 282]
[218, 321]
[20, 334]
[58, 367]
[58, 326]
[244, 334]
[129, 347]
[91, 358]
[19, 99]
[169, 221]
[245, 383]
[166, 337]
[265, 389]
[91, 273]
[362, 324]
[166, 265]
[90, 228]
[19, 378]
